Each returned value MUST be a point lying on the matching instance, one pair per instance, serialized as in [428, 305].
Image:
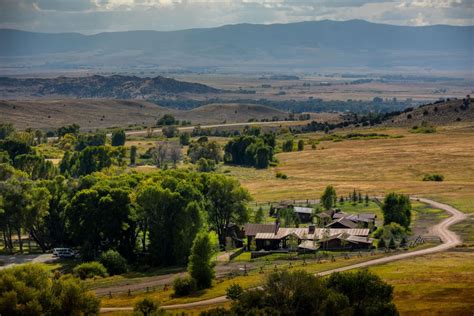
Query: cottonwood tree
[328, 197]
[396, 208]
[226, 203]
[200, 267]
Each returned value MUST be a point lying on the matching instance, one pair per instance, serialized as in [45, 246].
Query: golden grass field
[374, 166]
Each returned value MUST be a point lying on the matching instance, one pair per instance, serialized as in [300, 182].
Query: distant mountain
[115, 87]
[305, 45]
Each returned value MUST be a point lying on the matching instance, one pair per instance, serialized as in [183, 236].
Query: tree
[184, 139]
[6, 129]
[70, 129]
[290, 293]
[226, 203]
[31, 290]
[397, 208]
[118, 137]
[300, 145]
[205, 165]
[203, 148]
[166, 120]
[262, 157]
[102, 218]
[287, 145]
[147, 307]
[173, 215]
[133, 155]
[113, 262]
[170, 131]
[200, 266]
[327, 199]
[367, 200]
[259, 216]
[368, 294]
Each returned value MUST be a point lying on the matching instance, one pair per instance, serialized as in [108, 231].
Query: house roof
[253, 229]
[303, 233]
[309, 245]
[343, 221]
[360, 239]
[303, 210]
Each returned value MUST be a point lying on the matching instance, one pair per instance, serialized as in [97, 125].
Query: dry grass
[438, 284]
[374, 166]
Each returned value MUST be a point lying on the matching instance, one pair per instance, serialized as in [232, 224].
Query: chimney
[311, 229]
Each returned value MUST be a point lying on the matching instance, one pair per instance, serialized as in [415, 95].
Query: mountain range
[303, 45]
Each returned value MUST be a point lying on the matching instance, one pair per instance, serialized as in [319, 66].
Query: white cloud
[92, 16]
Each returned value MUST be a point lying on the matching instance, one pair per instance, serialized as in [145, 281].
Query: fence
[267, 266]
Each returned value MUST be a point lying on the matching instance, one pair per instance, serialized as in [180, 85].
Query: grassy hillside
[92, 114]
[442, 113]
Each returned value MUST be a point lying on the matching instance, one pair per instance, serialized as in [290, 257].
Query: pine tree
[259, 216]
[360, 197]
[366, 199]
[391, 243]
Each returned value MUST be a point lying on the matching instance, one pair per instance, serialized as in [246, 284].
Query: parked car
[64, 252]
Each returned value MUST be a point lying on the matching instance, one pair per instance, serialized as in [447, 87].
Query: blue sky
[93, 16]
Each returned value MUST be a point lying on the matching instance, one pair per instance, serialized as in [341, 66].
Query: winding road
[449, 240]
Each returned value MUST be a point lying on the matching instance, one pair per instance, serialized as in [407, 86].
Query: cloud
[92, 16]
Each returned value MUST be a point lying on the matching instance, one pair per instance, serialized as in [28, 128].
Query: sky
[94, 16]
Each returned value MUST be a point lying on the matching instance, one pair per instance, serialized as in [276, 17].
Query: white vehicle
[63, 252]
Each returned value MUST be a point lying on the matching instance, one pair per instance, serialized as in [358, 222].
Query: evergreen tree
[366, 200]
[133, 155]
[118, 137]
[381, 244]
[200, 266]
[259, 216]
[300, 145]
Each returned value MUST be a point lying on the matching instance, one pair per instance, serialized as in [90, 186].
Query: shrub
[433, 177]
[113, 262]
[146, 307]
[184, 286]
[234, 291]
[89, 270]
[281, 175]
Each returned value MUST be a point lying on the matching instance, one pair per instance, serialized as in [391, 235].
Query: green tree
[200, 266]
[133, 155]
[102, 218]
[259, 216]
[118, 137]
[31, 290]
[147, 307]
[184, 139]
[113, 262]
[300, 145]
[166, 120]
[396, 208]
[226, 203]
[368, 294]
[170, 131]
[287, 145]
[327, 199]
[173, 216]
[6, 129]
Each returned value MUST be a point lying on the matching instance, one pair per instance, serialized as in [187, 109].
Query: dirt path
[449, 238]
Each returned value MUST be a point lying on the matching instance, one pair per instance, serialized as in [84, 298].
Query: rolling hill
[93, 114]
[114, 87]
[307, 45]
[438, 113]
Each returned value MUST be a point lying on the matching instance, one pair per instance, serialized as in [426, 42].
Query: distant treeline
[377, 105]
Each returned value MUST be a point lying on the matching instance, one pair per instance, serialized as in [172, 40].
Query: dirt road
[449, 239]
